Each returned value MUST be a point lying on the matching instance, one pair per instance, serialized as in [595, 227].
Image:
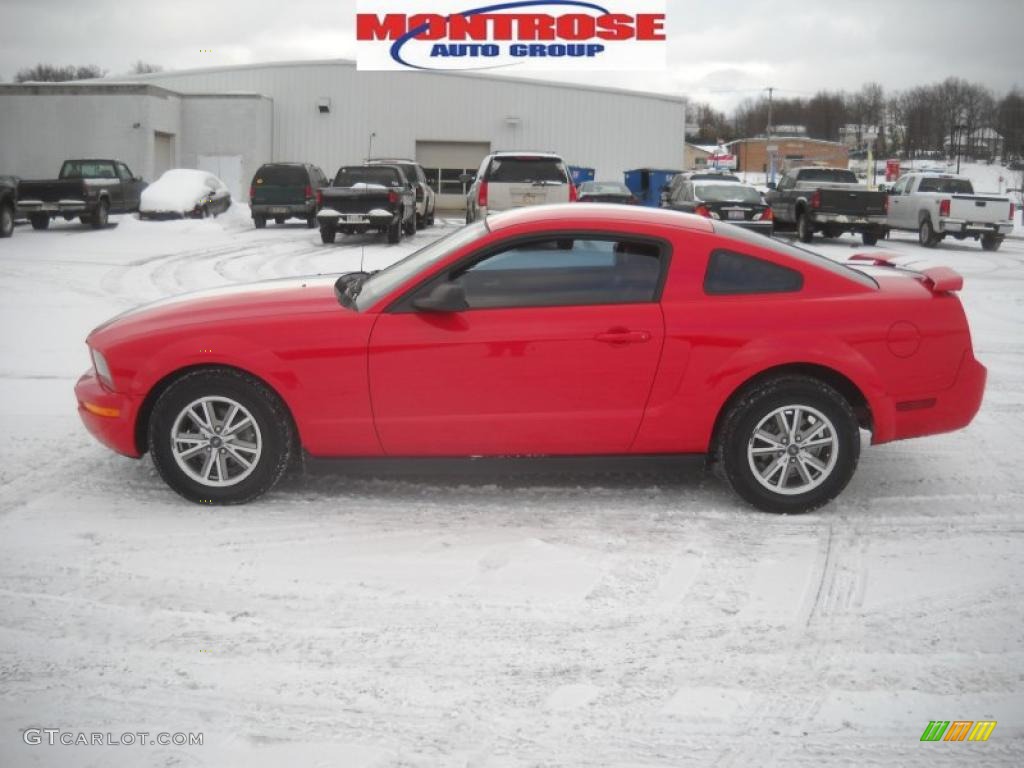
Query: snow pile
[179, 191]
[364, 186]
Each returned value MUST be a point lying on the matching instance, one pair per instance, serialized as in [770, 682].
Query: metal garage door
[444, 162]
[228, 168]
[163, 153]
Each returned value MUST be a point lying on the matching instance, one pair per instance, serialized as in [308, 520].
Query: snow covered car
[184, 193]
[547, 331]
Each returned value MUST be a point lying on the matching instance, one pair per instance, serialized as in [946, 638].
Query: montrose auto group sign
[520, 34]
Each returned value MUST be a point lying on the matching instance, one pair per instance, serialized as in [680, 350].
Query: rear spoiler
[938, 279]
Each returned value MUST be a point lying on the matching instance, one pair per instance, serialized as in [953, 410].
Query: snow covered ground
[584, 620]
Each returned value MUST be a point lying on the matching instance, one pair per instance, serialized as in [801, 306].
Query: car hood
[267, 298]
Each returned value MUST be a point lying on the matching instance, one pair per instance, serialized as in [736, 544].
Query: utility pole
[770, 90]
[768, 141]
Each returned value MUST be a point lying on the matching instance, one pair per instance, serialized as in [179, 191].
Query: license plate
[736, 215]
[279, 210]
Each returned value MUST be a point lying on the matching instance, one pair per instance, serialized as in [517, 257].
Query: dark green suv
[282, 191]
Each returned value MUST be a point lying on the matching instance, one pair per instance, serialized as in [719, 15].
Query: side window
[901, 186]
[731, 273]
[123, 172]
[565, 272]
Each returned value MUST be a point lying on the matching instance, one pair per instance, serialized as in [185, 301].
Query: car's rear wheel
[6, 220]
[259, 222]
[327, 234]
[804, 228]
[101, 215]
[218, 436]
[991, 242]
[409, 225]
[926, 234]
[311, 222]
[39, 221]
[869, 238]
[279, 219]
[395, 231]
[790, 444]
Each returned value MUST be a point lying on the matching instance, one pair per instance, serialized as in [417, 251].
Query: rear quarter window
[731, 273]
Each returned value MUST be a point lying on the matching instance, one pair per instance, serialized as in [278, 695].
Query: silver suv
[517, 179]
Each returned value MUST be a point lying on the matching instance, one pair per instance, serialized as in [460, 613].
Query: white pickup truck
[939, 204]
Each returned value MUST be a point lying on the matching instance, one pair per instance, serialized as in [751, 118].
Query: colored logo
[525, 34]
[958, 730]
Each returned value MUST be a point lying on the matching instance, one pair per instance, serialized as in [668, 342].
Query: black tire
[469, 217]
[101, 215]
[259, 222]
[409, 225]
[430, 218]
[869, 238]
[394, 231]
[757, 403]
[6, 220]
[327, 233]
[279, 219]
[831, 232]
[991, 242]
[311, 222]
[39, 220]
[276, 433]
[804, 228]
[926, 235]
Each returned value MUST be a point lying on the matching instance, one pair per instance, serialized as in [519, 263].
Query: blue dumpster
[580, 174]
[647, 183]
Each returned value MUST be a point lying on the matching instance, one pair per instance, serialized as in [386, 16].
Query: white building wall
[234, 124]
[42, 126]
[611, 131]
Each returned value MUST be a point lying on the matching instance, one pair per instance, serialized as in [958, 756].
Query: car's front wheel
[218, 436]
[790, 444]
[804, 228]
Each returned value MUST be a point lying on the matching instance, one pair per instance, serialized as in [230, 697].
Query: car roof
[574, 215]
[525, 153]
[387, 160]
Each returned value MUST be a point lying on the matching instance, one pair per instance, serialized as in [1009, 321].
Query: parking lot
[609, 617]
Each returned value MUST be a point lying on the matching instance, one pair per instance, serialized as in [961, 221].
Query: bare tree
[48, 73]
[141, 67]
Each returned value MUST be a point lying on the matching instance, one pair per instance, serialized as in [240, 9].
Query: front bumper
[291, 210]
[936, 412]
[109, 416]
[963, 227]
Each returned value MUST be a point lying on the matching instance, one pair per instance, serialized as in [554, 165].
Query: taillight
[308, 192]
[392, 196]
[320, 198]
[1012, 211]
[573, 194]
[816, 199]
[767, 215]
[702, 210]
[944, 207]
[252, 192]
[481, 195]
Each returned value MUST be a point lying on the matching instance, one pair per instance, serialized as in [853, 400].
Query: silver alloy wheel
[216, 441]
[793, 450]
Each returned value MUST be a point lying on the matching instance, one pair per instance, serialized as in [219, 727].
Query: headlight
[99, 363]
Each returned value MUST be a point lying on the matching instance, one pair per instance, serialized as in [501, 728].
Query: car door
[555, 353]
[125, 200]
[899, 205]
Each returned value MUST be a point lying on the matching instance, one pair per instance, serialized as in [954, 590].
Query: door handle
[623, 336]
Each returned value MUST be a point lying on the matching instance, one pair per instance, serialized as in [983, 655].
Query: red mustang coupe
[555, 330]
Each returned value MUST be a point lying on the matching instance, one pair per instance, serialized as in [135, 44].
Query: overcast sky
[719, 51]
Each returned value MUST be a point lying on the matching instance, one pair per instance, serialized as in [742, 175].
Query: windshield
[946, 186]
[603, 188]
[381, 175]
[380, 284]
[835, 175]
[727, 193]
[87, 169]
[525, 169]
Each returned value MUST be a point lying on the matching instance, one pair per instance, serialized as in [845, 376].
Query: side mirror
[445, 297]
[466, 178]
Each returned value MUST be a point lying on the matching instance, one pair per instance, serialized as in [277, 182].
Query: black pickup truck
[364, 197]
[830, 201]
[8, 200]
[88, 189]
